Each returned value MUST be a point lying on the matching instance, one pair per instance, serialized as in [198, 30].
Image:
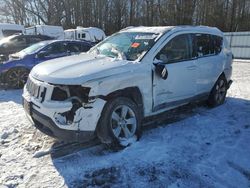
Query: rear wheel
[17, 77]
[218, 93]
[120, 124]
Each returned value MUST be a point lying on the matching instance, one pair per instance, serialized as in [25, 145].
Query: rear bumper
[48, 127]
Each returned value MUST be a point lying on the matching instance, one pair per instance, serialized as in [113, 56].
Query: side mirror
[41, 54]
[161, 70]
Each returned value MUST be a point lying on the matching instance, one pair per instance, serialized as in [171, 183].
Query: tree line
[113, 15]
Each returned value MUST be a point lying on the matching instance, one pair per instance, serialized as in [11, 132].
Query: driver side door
[179, 60]
[54, 50]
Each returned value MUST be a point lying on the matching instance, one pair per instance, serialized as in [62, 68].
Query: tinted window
[176, 49]
[74, 47]
[208, 44]
[56, 48]
[203, 45]
[216, 44]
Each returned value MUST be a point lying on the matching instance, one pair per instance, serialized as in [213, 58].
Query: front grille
[35, 89]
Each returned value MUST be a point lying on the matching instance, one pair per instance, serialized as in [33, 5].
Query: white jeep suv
[135, 73]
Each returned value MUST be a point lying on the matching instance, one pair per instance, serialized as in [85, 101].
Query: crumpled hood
[77, 69]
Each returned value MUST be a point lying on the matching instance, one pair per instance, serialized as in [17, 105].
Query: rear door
[180, 85]
[209, 63]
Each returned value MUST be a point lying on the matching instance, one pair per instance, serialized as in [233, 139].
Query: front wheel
[17, 77]
[218, 93]
[120, 124]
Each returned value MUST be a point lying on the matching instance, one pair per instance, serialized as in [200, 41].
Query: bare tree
[112, 15]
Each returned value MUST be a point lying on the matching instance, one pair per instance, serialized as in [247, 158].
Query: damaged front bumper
[62, 119]
[48, 127]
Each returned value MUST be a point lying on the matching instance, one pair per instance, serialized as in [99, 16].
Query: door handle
[191, 67]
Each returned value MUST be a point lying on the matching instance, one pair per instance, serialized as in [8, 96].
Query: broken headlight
[62, 93]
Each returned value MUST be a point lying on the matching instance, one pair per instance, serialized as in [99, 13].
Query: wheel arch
[12, 68]
[132, 93]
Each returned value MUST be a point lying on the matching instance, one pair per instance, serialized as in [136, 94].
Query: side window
[83, 35]
[208, 44]
[177, 49]
[203, 45]
[56, 48]
[74, 47]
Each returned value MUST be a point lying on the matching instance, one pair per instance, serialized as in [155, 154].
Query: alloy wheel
[123, 122]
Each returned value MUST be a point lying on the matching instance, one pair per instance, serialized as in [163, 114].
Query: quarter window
[177, 49]
[217, 44]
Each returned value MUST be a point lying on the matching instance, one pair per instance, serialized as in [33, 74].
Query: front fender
[110, 84]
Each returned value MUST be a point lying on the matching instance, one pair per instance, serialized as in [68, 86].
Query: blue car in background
[15, 71]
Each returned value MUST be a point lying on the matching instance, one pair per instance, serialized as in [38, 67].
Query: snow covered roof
[164, 29]
[11, 26]
[155, 29]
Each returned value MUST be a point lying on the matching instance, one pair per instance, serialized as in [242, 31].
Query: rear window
[208, 44]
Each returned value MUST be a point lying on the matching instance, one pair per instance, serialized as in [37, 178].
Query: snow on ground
[208, 148]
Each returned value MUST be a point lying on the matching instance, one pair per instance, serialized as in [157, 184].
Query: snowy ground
[208, 148]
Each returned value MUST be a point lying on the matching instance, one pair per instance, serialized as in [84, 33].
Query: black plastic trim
[48, 127]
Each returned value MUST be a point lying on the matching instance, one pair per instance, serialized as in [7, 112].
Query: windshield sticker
[135, 45]
[145, 37]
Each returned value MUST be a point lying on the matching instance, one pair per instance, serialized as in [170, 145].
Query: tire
[17, 77]
[219, 91]
[120, 123]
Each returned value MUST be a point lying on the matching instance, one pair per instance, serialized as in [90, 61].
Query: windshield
[33, 48]
[6, 39]
[127, 45]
